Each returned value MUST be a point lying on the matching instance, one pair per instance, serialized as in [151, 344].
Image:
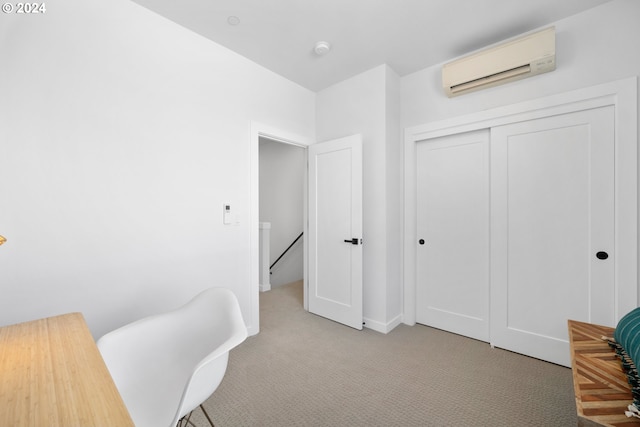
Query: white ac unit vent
[516, 59]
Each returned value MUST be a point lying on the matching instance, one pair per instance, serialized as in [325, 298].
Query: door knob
[421, 241]
[602, 255]
[353, 241]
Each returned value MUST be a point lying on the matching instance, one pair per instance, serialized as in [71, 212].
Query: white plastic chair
[165, 366]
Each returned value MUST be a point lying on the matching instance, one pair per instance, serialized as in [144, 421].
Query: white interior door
[452, 274]
[552, 220]
[335, 218]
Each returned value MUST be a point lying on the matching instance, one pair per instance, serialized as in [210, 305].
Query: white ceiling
[408, 35]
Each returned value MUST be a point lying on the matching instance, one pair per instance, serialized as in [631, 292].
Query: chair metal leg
[207, 415]
[186, 420]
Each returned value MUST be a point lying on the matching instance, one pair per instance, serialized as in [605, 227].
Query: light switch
[227, 216]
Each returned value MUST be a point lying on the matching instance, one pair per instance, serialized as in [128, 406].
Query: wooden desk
[601, 388]
[52, 374]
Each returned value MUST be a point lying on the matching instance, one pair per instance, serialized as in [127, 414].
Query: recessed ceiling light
[322, 48]
[233, 20]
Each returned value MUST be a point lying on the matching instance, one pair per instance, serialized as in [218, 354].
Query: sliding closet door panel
[552, 212]
[453, 234]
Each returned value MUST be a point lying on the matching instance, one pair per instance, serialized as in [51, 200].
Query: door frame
[622, 94]
[284, 136]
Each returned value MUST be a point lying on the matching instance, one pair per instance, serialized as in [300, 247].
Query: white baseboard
[252, 330]
[381, 327]
[265, 288]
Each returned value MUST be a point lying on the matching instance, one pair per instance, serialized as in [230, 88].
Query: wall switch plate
[226, 215]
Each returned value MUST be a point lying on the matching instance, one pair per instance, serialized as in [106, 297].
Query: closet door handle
[602, 255]
[353, 241]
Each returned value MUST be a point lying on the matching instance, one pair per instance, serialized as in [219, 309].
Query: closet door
[552, 238]
[452, 291]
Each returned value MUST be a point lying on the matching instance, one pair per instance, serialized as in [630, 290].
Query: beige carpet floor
[304, 370]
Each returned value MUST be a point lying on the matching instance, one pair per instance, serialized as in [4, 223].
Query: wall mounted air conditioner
[516, 59]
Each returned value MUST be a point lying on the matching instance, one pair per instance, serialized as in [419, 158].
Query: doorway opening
[285, 137]
[282, 172]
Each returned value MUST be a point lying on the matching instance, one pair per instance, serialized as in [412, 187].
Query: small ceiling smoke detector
[322, 48]
[233, 20]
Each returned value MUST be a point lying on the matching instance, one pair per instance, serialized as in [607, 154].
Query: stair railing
[285, 251]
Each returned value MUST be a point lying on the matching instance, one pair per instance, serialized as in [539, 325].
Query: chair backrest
[164, 366]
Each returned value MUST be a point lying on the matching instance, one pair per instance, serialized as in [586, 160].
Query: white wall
[593, 47]
[394, 210]
[282, 178]
[122, 135]
[368, 104]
